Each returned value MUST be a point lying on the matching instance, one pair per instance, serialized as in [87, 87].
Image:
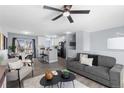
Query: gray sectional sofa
[104, 69]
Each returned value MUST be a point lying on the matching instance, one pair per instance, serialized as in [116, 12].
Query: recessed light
[68, 32]
[26, 32]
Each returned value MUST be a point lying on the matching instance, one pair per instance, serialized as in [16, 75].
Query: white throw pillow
[86, 61]
[83, 55]
[15, 65]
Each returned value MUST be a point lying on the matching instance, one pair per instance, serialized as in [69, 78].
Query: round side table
[50, 83]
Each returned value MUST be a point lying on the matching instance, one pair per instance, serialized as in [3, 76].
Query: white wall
[96, 43]
[82, 41]
[86, 41]
[4, 52]
[41, 41]
[2, 30]
[49, 42]
[71, 51]
[44, 42]
[55, 41]
[116, 54]
[79, 42]
[99, 43]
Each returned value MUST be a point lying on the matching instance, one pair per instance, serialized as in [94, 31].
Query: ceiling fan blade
[52, 8]
[79, 11]
[70, 19]
[57, 17]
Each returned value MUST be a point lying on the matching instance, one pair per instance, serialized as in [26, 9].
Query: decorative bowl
[48, 75]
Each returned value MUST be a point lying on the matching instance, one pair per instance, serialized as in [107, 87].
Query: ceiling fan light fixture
[67, 13]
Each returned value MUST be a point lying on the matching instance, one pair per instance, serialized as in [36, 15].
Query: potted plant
[12, 48]
[65, 74]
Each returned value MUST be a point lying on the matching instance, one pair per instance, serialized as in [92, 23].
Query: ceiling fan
[66, 12]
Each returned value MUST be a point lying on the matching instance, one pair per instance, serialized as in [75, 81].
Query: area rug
[35, 83]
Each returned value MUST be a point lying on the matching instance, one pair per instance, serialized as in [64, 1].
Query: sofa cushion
[99, 71]
[106, 61]
[76, 65]
[71, 63]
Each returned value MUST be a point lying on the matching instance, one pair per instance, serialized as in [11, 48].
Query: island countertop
[2, 74]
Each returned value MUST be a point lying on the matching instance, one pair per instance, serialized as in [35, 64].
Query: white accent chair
[18, 72]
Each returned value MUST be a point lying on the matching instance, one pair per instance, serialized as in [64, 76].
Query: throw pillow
[15, 65]
[83, 55]
[87, 61]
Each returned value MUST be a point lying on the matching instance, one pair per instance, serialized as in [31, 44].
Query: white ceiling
[37, 20]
